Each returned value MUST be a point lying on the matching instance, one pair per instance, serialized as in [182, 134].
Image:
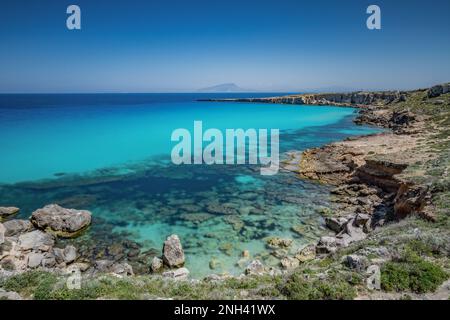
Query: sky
[185, 45]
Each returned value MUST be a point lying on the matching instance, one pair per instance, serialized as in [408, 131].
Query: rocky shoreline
[373, 186]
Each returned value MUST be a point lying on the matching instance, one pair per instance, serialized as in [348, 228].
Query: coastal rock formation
[17, 226]
[157, 264]
[255, 268]
[173, 254]
[436, 91]
[37, 240]
[60, 221]
[338, 99]
[178, 274]
[8, 211]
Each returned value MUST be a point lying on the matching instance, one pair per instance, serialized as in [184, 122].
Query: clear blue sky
[183, 45]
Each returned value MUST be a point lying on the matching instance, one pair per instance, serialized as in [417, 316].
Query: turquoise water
[110, 154]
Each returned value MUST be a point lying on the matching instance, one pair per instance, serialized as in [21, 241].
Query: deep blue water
[109, 153]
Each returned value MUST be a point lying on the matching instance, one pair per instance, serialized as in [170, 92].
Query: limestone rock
[335, 224]
[36, 240]
[122, 269]
[173, 254]
[361, 219]
[70, 254]
[9, 295]
[35, 259]
[306, 254]
[178, 274]
[17, 226]
[289, 263]
[326, 245]
[255, 268]
[156, 265]
[61, 221]
[103, 265]
[356, 262]
[276, 242]
[8, 211]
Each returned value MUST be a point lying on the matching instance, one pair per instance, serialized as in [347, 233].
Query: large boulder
[335, 224]
[173, 254]
[8, 211]
[326, 245]
[17, 226]
[36, 240]
[60, 221]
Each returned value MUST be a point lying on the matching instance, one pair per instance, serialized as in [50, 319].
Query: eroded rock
[17, 226]
[61, 221]
[156, 265]
[36, 240]
[178, 274]
[8, 211]
[173, 254]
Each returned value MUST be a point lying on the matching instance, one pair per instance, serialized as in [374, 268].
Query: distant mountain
[224, 87]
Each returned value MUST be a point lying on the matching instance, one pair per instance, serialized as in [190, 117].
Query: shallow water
[109, 154]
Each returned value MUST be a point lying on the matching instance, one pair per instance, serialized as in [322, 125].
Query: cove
[110, 154]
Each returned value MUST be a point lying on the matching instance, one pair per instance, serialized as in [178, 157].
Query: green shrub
[334, 288]
[39, 283]
[412, 273]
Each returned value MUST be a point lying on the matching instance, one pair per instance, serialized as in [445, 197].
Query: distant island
[224, 87]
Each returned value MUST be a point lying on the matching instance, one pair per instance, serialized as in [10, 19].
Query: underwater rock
[156, 265]
[8, 211]
[173, 254]
[214, 263]
[224, 208]
[236, 223]
[78, 201]
[276, 242]
[196, 217]
[60, 221]
[226, 248]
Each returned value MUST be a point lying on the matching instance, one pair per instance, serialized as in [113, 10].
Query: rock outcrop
[8, 211]
[338, 99]
[173, 254]
[438, 90]
[60, 221]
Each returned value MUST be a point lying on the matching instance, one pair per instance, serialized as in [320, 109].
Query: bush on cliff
[413, 273]
[334, 288]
